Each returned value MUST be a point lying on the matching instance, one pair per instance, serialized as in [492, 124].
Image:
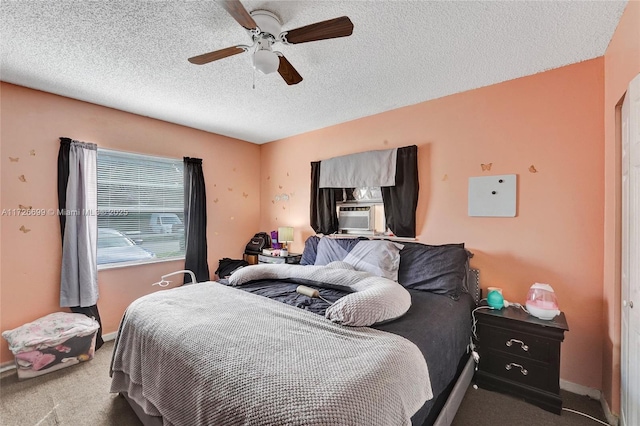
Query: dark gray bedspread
[438, 325]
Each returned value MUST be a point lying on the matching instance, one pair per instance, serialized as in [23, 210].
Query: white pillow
[375, 300]
[380, 258]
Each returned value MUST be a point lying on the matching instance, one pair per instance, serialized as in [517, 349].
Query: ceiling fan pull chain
[256, 47]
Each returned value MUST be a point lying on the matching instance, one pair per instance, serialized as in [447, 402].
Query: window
[361, 212]
[140, 208]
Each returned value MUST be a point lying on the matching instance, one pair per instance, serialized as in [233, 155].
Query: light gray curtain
[79, 276]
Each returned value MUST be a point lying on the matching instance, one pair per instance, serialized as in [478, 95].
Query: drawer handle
[522, 344]
[513, 364]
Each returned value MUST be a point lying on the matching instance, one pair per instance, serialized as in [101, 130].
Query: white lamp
[266, 61]
[285, 235]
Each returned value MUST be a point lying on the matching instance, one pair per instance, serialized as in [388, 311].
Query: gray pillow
[333, 249]
[380, 258]
[439, 269]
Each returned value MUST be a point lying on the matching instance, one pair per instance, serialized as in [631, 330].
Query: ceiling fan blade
[333, 28]
[288, 72]
[239, 13]
[214, 56]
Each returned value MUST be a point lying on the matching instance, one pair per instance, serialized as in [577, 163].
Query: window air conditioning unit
[356, 219]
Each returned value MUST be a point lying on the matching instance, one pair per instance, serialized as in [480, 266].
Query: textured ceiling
[132, 55]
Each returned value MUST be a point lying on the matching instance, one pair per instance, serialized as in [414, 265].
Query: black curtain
[195, 220]
[63, 178]
[324, 218]
[401, 201]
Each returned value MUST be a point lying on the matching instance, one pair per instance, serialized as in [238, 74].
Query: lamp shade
[266, 61]
[285, 234]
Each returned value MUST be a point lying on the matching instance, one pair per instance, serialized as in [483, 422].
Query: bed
[386, 343]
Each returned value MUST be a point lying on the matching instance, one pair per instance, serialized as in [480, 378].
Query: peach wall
[33, 120]
[552, 120]
[621, 65]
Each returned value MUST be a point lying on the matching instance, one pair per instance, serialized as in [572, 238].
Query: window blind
[140, 207]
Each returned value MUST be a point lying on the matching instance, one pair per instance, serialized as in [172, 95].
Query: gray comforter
[207, 354]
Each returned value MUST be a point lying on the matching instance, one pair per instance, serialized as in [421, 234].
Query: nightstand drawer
[518, 369]
[517, 343]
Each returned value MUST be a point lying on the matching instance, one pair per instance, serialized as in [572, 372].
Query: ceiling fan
[265, 29]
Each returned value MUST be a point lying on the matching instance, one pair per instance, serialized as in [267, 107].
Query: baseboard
[109, 336]
[591, 393]
[580, 389]
[7, 366]
[611, 418]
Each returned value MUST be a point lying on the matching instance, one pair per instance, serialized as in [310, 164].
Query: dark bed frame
[446, 404]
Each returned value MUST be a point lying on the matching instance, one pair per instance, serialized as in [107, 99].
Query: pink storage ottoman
[52, 342]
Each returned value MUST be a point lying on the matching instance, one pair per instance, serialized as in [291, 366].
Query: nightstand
[520, 355]
[292, 259]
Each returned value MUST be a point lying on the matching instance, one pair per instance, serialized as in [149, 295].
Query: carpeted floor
[485, 408]
[79, 395]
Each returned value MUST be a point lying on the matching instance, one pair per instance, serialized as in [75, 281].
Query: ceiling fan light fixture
[266, 61]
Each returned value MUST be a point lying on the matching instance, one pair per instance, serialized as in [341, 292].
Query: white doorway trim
[630, 265]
